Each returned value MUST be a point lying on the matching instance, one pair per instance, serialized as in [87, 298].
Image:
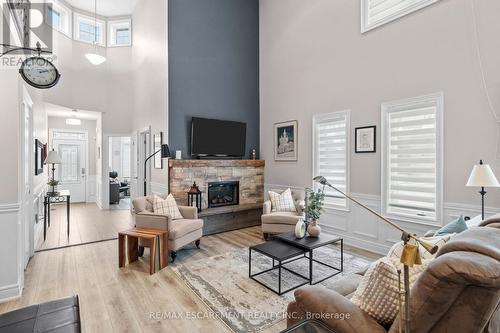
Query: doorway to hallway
[72, 147]
[120, 173]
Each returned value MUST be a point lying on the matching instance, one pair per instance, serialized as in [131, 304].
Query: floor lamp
[482, 176]
[165, 153]
[410, 254]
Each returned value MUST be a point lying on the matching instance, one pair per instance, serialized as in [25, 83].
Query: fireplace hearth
[223, 193]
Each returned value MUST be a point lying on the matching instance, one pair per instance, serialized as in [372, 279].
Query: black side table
[278, 251]
[309, 244]
[61, 196]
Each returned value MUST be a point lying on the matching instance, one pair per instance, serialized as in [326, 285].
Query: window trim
[63, 11]
[436, 100]
[366, 26]
[111, 24]
[78, 18]
[326, 116]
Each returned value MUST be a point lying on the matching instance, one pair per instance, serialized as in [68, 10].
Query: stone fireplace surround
[249, 174]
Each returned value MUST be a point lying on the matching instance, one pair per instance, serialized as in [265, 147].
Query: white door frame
[27, 225]
[81, 131]
[105, 167]
[144, 149]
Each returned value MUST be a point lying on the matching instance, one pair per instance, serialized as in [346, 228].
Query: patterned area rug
[222, 282]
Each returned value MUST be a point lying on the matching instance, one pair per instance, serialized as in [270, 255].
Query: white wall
[315, 60]
[150, 66]
[106, 88]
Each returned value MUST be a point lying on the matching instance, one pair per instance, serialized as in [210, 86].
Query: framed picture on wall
[157, 141]
[39, 157]
[365, 139]
[285, 141]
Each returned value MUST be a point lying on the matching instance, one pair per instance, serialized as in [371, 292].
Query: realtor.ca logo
[25, 25]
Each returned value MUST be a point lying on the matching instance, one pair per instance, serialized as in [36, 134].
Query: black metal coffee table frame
[309, 244]
[295, 254]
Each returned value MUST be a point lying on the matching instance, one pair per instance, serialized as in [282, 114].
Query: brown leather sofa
[458, 292]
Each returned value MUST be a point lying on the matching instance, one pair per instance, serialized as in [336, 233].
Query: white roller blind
[378, 12]
[411, 159]
[331, 148]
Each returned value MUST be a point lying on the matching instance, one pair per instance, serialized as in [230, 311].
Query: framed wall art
[365, 139]
[285, 141]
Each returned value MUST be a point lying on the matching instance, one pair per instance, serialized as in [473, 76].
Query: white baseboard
[9, 293]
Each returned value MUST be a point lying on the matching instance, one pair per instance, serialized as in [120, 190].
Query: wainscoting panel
[11, 278]
[159, 188]
[91, 188]
[362, 229]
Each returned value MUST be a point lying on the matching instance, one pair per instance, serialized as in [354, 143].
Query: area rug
[223, 284]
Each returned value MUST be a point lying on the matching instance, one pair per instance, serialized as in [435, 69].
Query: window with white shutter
[375, 13]
[331, 155]
[412, 158]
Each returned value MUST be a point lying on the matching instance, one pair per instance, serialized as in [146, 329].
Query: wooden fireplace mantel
[214, 163]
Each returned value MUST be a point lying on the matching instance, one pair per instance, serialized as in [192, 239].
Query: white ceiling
[54, 110]
[106, 7]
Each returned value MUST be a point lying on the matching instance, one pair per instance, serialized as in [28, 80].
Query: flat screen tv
[211, 137]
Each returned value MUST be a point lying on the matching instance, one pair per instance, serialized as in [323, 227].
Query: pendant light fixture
[95, 58]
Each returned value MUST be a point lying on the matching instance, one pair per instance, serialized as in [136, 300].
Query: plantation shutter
[381, 9]
[411, 162]
[331, 154]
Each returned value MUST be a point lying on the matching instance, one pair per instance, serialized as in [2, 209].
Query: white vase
[313, 229]
[300, 229]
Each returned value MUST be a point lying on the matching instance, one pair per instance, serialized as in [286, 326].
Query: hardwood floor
[116, 299]
[88, 223]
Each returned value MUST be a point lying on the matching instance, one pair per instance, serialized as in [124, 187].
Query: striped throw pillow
[166, 207]
[282, 202]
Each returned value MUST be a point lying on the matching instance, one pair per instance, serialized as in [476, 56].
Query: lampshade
[53, 158]
[165, 151]
[482, 176]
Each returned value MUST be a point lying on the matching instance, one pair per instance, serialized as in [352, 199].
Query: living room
[273, 146]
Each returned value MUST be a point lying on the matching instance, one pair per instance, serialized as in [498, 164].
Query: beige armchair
[180, 232]
[458, 292]
[280, 222]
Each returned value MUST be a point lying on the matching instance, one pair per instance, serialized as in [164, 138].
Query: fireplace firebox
[223, 193]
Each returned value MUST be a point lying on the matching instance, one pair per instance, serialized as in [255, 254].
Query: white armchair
[280, 222]
[181, 232]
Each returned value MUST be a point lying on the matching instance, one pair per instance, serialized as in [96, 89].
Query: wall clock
[39, 72]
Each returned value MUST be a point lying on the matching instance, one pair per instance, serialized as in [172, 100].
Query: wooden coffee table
[128, 242]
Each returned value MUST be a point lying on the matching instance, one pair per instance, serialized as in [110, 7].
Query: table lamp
[53, 158]
[482, 176]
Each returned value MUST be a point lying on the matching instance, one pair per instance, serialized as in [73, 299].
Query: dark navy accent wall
[213, 66]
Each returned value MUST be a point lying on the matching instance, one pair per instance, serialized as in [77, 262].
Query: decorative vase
[300, 229]
[314, 229]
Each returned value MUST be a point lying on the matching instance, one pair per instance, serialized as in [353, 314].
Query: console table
[61, 196]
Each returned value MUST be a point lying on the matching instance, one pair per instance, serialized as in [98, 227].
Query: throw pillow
[455, 226]
[166, 206]
[378, 292]
[282, 202]
[397, 249]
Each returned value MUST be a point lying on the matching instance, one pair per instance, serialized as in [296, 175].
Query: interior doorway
[120, 173]
[72, 147]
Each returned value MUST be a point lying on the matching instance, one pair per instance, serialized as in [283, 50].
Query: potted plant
[313, 210]
[53, 183]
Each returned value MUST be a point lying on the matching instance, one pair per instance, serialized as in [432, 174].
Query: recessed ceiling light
[73, 121]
